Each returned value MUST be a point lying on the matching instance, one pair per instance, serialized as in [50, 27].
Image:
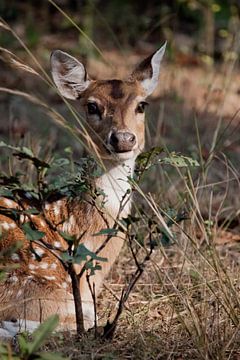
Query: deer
[36, 284]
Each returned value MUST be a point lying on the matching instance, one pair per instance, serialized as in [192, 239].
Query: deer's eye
[93, 109]
[141, 107]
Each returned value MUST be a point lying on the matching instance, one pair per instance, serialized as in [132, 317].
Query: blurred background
[188, 299]
[207, 28]
[195, 108]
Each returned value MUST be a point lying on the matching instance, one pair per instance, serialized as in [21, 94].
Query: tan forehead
[115, 90]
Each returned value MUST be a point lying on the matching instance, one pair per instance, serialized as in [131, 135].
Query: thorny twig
[110, 328]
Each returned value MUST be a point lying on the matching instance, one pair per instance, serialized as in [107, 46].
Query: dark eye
[141, 107]
[93, 109]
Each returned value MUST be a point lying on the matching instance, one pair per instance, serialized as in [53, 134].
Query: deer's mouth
[119, 153]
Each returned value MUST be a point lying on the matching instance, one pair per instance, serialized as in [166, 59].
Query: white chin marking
[125, 155]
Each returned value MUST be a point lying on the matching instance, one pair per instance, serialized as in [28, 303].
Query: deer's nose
[122, 141]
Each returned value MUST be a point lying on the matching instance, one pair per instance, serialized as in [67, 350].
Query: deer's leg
[24, 308]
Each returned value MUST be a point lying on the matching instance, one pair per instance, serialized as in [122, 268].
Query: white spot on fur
[22, 218]
[49, 277]
[47, 206]
[56, 209]
[32, 266]
[39, 251]
[42, 223]
[15, 257]
[53, 266]
[64, 285]
[8, 226]
[19, 293]
[9, 203]
[44, 265]
[13, 278]
[57, 244]
[72, 220]
[69, 225]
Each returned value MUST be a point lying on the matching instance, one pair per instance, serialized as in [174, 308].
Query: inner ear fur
[147, 72]
[69, 74]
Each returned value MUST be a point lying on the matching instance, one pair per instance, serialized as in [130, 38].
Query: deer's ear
[68, 74]
[147, 72]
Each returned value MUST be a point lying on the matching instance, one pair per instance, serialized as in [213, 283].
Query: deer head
[114, 109]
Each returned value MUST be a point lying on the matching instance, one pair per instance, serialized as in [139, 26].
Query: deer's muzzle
[122, 141]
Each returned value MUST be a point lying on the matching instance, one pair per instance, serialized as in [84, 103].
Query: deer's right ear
[68, 74]
[147, 72]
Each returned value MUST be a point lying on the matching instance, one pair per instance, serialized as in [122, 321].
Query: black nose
[122, 141]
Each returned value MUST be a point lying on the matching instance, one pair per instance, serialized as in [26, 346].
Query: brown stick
[77, 300]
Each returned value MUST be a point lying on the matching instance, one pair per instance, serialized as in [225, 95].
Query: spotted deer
[39, 286]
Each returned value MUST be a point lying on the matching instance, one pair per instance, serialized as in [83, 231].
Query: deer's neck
[115, 185]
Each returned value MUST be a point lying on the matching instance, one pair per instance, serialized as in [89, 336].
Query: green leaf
[32, 211]
[5, 193]
[179, 161]
[25, 153]
[146, 155]
[90, 266]
[42, 333]
[81, 254]
[108, 231]
[32, 234]
[66, 257]
[68, 150]
[165, 240]
[67, 237]
[60, 162]
[23, 345]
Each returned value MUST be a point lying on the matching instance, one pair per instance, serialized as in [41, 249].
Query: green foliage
[31, 349]
[58, 176]
[151, 158]
[81, 254]
[24, 152]
[179, 160]
[32, 234]
[108, 231]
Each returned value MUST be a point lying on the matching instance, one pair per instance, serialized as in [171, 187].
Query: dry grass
[185, 306]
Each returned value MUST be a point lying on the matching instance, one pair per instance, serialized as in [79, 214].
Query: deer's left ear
[147, 72]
